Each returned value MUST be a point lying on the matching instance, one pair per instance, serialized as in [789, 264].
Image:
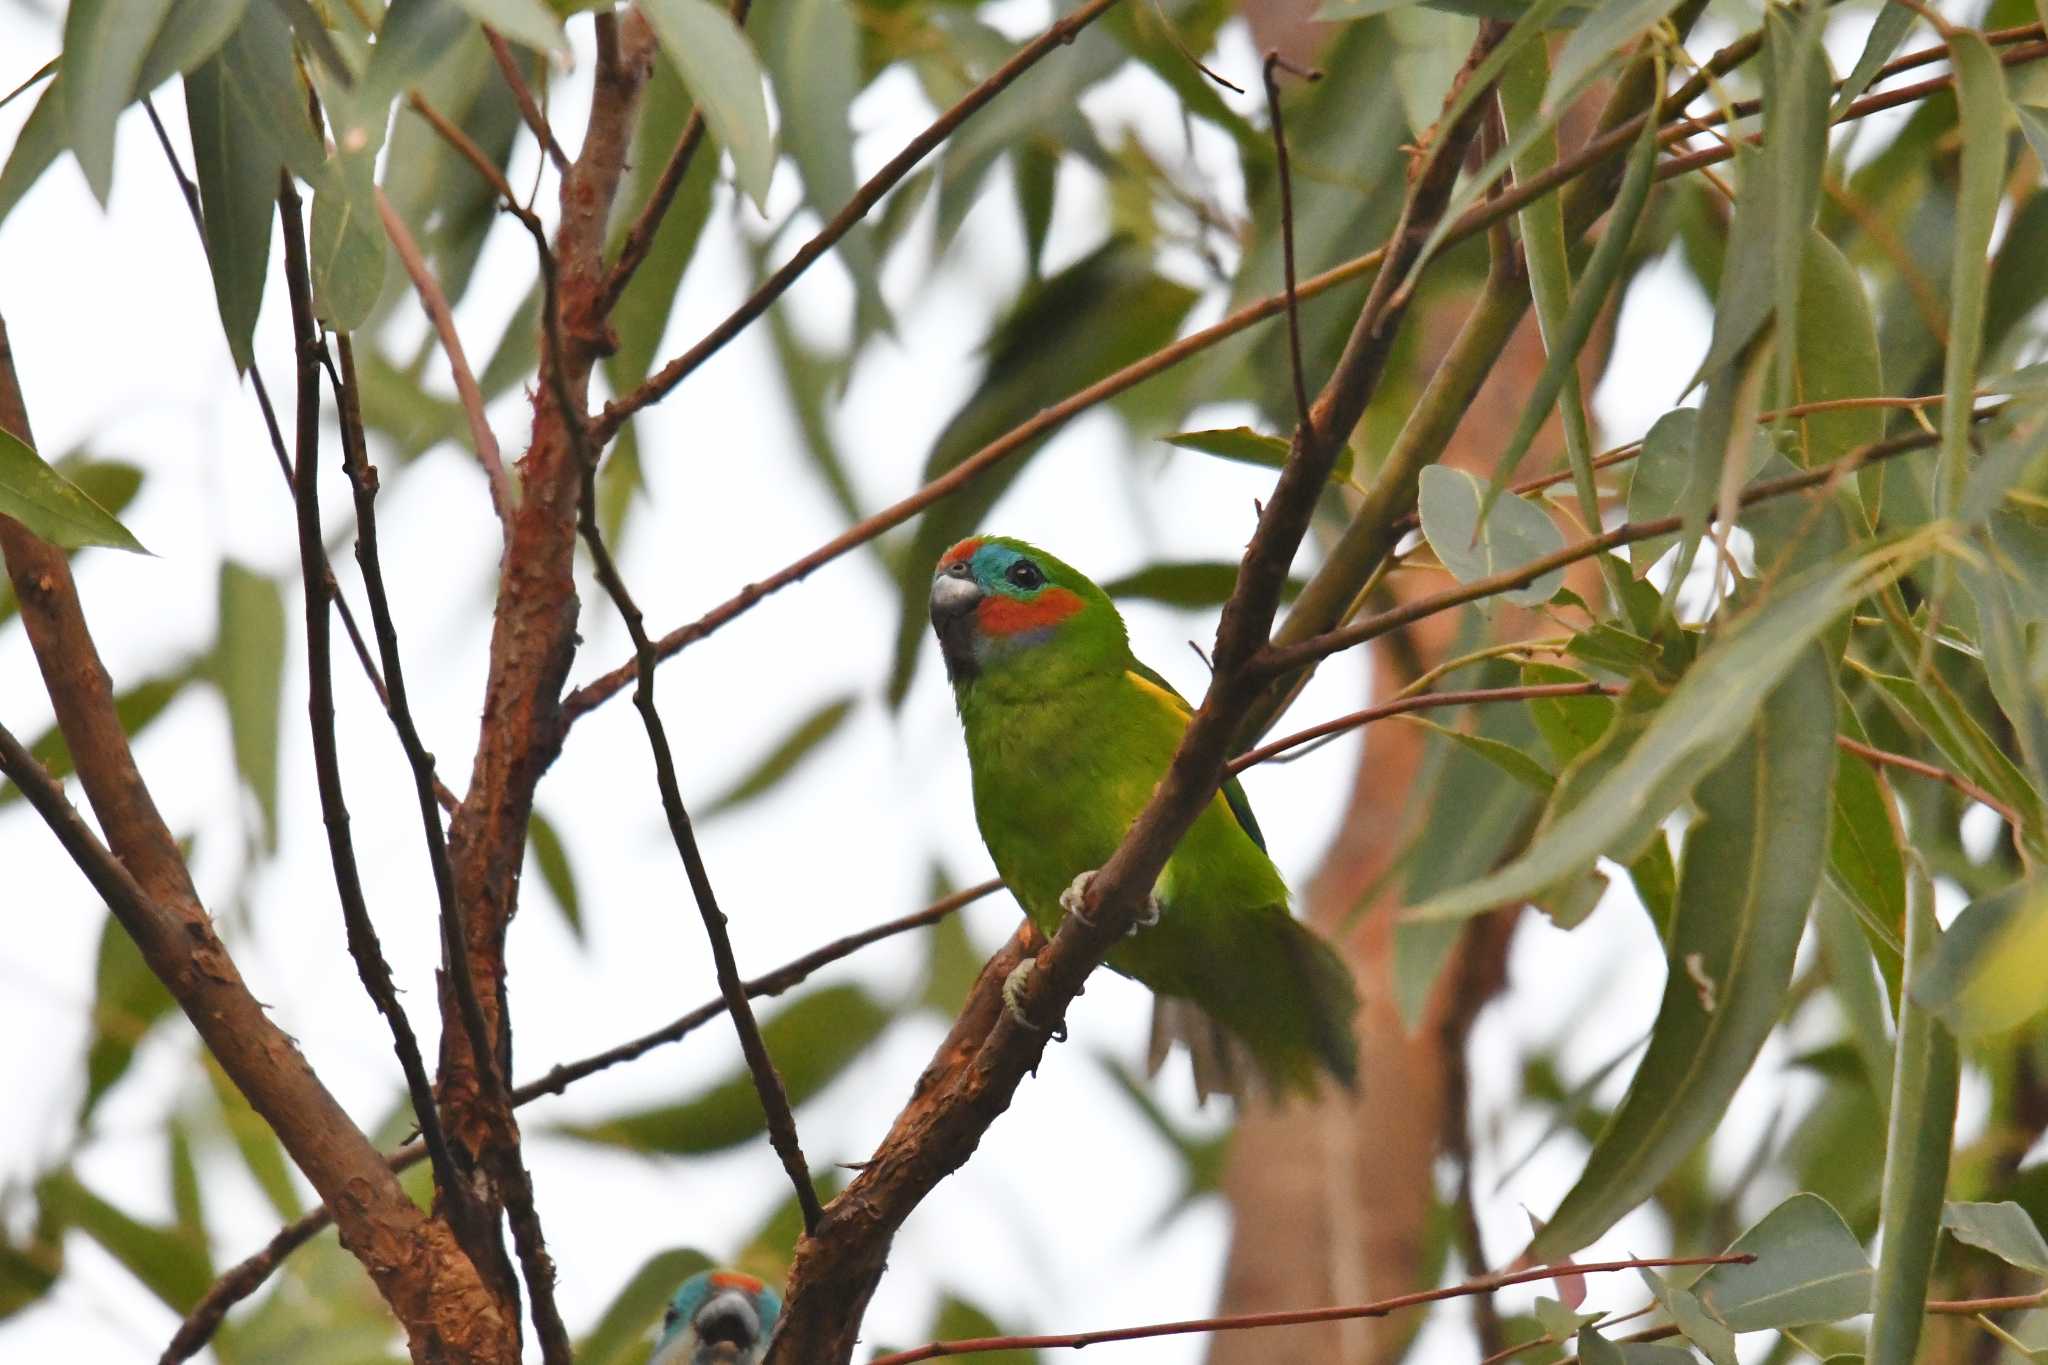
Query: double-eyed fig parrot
[1067, 735]
[718, 1317]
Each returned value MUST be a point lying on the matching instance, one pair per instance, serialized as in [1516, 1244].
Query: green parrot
[1067, 735]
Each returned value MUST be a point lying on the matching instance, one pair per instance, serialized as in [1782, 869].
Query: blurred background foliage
[1781, 886]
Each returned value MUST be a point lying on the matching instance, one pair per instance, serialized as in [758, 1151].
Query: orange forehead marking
[732, 1279]
[964, 550]
[999, 615]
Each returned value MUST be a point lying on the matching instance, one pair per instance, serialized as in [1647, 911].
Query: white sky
[113, 324]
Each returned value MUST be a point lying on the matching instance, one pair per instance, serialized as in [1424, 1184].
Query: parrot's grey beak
[955, 595]
[727, 1329]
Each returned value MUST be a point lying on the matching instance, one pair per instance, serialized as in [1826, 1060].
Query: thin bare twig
[363, 944]
[1906, 763]
[443, 317]
[866, 197]
[1240, 1322]
[248, 1275]
[190, 192]
[1478, 219]
[782, 1134]
[1428, 701]
[522, 94]
[1269, 74]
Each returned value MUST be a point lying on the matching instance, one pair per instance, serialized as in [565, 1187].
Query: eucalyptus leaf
[105, 42]
[529, 22]
[720, 68]
[51, 506]
[1984, 977]
[2003, 1229]
[802, 739]
[1745, 880]
[1809, 1268]
[1515, 531]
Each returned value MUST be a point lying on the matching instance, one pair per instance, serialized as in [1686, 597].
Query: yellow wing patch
[1152, 689]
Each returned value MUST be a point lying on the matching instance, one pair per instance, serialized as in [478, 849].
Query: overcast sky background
[1052, 1226]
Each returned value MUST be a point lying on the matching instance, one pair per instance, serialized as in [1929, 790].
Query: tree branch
[435, 302]
[837, 1268]
[866, 197]
[1240, 1322]
[433, 1290]
[522, 95]
[363, 943]
[248, 1276]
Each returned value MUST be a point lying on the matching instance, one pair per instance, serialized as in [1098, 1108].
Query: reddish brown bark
[432, 1288]
[1351, 1221]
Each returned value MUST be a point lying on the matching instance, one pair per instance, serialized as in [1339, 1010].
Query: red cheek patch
[999, 615]
[732, 1279]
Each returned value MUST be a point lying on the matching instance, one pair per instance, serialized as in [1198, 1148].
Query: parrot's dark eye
[1025, 575]
[668, 1319]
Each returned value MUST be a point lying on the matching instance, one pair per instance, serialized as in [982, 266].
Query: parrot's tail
[1221, 1062]
[1280, 1024]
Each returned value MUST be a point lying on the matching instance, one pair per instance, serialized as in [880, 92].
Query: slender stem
[1269, 71]
[522, 94]
[866, 197]
[1241, 1322]
[363, 944]
[435, 301]
[1428, 701]
[248, 1275]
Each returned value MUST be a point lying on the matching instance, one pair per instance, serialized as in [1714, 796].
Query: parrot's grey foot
[1076, 896]
[1013, 1001]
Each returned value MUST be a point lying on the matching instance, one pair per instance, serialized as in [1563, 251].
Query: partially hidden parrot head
[718, 1317]
[996, 601]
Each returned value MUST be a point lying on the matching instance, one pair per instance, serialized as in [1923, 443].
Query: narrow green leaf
[1985, 975]
[236, 165]
[1748, 274]
[1242, 444]
[43, 135]
[1613, 25]
[1866, 858]
[1809, 1268]
[528, 22]
[1859, 991]
[135, 708]
[1567, 315]
[792, 749]
[187, 1201]
[623, 1329]
[1662, 472]
[248, 667]
[720, 68]
[1745, 880]
[191, 33]
[1980, 125]
[414, 35]
[1714, 1340]
[127, 1001]
[261, 1152]
[166, 1261]
[1506, 757]
[1894, 19]
[1917, 1140]
[2034, 123]
[104, 44]
[51, 506]
[1514, 532]
[2003, 1229]
[1796, 89]
[553, 857]
[811, 1040]
[347, 246]
[1706, 713]
[261, 77]
[812, 51]
[1192, 584]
